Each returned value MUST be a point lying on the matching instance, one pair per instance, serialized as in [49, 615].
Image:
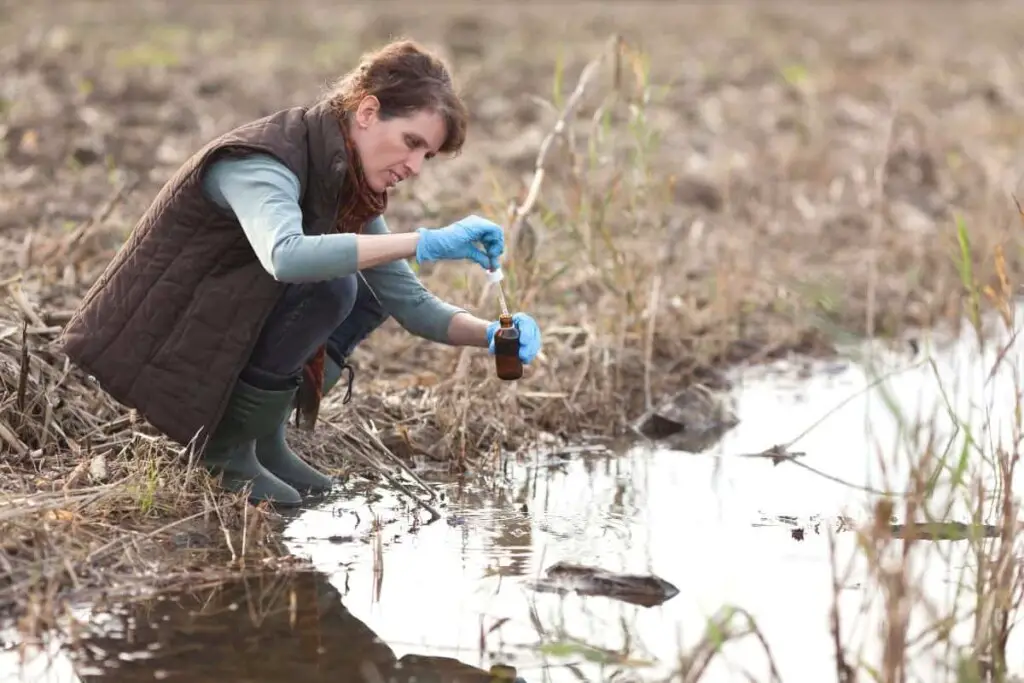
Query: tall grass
[962, 463]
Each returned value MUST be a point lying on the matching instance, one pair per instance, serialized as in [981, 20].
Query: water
[708, 523]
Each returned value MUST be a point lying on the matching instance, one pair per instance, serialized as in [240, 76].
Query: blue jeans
[341, 312]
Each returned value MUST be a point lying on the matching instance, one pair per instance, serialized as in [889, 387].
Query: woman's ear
[368, 111]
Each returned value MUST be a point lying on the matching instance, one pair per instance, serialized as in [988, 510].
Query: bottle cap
[495, 275]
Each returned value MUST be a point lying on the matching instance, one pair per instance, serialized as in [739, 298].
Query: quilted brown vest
[171, 322]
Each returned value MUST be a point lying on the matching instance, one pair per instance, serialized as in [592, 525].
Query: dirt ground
[736, 183]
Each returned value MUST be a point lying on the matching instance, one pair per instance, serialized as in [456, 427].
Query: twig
[19, 299]
[72, 240]
[792, 457]
[875, 382]
[652, 319]
[518, 214]
[394, 458]
[776, 454]
[23, 369]
[8, 436]
[844, 672]
[876, 230]
[380, 469]
[667, 260]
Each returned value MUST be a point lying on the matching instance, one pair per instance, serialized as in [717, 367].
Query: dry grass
[92, 500]
[733, 191]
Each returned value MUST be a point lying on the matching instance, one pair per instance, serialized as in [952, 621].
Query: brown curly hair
[406, 78]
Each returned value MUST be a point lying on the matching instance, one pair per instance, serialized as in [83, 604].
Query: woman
[265, 260]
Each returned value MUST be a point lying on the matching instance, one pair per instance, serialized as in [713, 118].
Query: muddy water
[409, 599]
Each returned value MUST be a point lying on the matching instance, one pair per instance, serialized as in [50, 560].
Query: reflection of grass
[972, 469]
[728, 625]
[558, 648]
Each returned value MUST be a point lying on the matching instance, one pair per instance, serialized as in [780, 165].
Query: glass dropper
[495, 277]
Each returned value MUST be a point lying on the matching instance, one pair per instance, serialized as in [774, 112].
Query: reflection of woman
[261, 628]
[239, 292]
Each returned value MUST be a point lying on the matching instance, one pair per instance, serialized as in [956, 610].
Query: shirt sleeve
[404, 297]
[264, 195]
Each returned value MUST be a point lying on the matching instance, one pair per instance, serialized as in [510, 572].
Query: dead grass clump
[91, 499]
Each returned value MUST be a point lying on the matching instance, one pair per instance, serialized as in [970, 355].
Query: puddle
[719, 527]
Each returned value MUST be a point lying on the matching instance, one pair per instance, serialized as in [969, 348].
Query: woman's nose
[415, 163]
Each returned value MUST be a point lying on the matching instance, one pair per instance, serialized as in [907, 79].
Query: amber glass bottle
[506, 349]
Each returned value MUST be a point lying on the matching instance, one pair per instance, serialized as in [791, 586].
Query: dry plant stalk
[613, 48]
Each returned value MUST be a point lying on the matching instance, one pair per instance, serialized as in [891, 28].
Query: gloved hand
[529, 336]
[459, 241]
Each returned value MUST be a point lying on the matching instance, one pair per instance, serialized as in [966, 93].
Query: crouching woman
[265, 260]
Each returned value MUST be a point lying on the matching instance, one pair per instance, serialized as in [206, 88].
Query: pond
[745, 540]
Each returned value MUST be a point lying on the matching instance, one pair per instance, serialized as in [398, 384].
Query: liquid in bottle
[506, 349]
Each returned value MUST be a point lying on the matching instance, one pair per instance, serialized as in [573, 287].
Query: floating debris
[693, 420]
[646, 591]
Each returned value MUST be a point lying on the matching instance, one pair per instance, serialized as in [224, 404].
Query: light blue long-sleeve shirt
[264, 195]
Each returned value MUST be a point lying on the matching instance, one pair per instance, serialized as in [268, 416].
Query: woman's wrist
[465, 329]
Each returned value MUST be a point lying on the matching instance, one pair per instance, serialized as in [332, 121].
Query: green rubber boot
[231, 452]
[273, 451]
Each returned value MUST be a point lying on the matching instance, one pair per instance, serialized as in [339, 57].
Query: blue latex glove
[529, 336]
[459, 241]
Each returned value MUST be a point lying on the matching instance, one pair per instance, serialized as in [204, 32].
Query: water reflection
[696, 521]
[259, 628]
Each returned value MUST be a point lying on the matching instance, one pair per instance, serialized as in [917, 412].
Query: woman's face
[394, 149]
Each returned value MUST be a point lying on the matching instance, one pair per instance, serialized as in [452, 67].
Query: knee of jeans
[366, 301]
[338, 297]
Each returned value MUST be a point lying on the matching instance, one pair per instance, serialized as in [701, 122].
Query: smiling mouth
[394, 179]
